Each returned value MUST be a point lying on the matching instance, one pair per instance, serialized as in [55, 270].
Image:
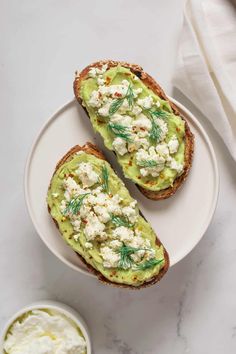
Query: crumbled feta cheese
[173, 144]
[94, 228]
[85, 209]
[136, 110]
[104, 110]
[143, 156]
[162, 150]
[92, 72]
[131, 213]
[63, 206]
[87, 175]
[116, 91]
[115, 244]
[102, 213]
[150, 254]
[119, 145]
[76, 224]
[124, 120]
[137, 91]
[146, 102]
[123, 233]
[158, 104]
[110, 257]
[174, 165]
[124, 107]
[142, 123]
[76, 237]
[95, 100]
[88, 245]
[137, 143]
[100, 81]
[113, 206]
[104, 68]
[163, 126]
[71, 186]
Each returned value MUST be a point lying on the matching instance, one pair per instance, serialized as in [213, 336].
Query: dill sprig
[105, 176]
[155, 132]
[148, 163]
[116, 105]
[149, 264]
[125, 252]
[157, 114]
[130, 96]
[116, 220]
[119, 131]
[119, 101]
[75, 204]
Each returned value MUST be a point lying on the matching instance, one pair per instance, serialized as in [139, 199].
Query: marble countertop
[42, 44]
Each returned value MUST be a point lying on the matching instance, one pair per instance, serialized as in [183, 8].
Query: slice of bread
[152, 85]
[93, 150]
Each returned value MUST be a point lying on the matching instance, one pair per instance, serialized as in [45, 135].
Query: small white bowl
[50, 305]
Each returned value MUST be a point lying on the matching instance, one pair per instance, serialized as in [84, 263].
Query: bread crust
[153, 85]
[93, 150]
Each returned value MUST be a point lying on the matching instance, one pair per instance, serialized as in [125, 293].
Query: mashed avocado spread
[139, 126]
[99, 219]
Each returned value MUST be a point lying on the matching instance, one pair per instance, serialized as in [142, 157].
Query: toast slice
[91, 149]
[151, 84]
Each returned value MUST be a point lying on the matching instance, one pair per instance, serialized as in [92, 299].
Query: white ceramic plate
[179, 221]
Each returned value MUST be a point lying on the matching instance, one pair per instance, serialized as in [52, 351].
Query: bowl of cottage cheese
[46, 327]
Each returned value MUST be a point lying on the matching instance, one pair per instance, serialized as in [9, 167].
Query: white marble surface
[42, 43]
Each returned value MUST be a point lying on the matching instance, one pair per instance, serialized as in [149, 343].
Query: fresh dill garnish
[75, 204]
[158, 113]
[130, 96]
[105, 178]
[155, 132]
[116, 220]
[125, 252]
[149, 264]
[119, 131]
[148, 163]
[119, 101]
[115, 105]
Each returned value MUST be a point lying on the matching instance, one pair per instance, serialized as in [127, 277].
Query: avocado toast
[152, 141]
[98, 218]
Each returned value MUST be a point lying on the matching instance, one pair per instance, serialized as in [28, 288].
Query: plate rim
[27, 194]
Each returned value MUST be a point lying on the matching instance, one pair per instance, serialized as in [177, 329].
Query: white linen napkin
[206, 64]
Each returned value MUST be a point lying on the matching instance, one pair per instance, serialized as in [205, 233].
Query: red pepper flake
[108, 80]
[150, 182]
[139, 177]
[177, 129]
[141, 128]
[99, 95]
[100, 121]
[84, 221]
[127, 74]
[130, 163]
